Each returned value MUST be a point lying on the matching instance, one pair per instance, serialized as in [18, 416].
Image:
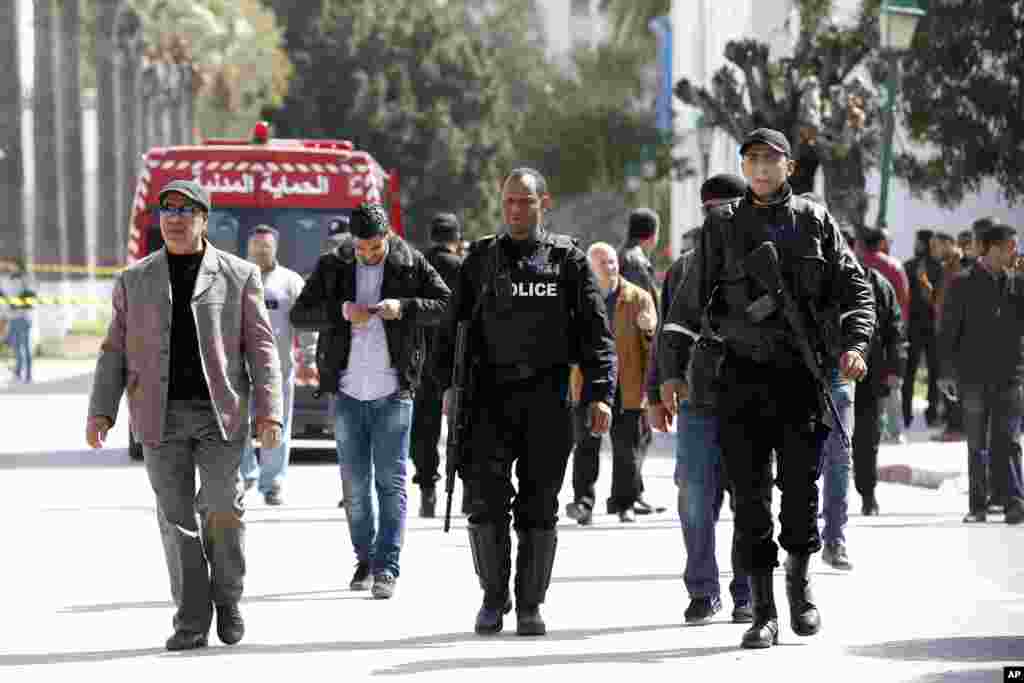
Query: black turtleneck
[187, 381]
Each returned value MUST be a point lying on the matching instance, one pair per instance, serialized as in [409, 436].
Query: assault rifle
[762, 264]
[458, 427]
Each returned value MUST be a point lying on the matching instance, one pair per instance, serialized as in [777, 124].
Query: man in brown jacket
[633, 319]
[189, 341]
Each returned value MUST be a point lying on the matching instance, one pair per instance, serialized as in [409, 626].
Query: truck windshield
[303, 232]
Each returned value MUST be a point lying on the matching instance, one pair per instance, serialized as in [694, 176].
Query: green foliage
[628, 19]
[963, 96]
[406, 82]
[586, 128]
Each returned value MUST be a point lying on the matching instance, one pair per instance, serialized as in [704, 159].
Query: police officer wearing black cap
[982, 343]
[767, 398]
[536, 308]
[446, 233]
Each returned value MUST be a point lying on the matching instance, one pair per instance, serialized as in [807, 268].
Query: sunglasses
[186, 211]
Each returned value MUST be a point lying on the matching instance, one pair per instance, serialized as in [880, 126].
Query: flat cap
[190, 189]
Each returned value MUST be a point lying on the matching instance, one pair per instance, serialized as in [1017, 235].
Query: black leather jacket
[408, 277]
[805, 234]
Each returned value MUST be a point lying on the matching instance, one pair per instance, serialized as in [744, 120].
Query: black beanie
[723, 186]
[444, 227]
[643, 223]
[369, 221]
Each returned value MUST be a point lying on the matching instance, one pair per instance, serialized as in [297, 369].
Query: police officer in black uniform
[982, 345]
[537, 308]
[446, 233]
[766, 397]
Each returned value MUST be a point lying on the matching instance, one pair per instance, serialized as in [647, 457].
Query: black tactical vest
[527, 316]
[746, 316]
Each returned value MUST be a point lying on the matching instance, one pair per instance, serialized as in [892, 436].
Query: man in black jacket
[370, 299]
[923, 272]
[446, 233]
[636, 267]
[887, 360]
[767, 399]
[982, 344]
[535, 308]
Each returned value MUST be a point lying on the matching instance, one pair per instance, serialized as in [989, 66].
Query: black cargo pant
[992, 416]
[426, 432]
[627, 434]
[867, 433]
[761, 408]
[922, 342]
[525, 424]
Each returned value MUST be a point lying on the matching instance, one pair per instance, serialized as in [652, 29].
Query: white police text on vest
[535, 289]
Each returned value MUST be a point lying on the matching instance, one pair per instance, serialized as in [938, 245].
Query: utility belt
[518, 372]
[759, 343]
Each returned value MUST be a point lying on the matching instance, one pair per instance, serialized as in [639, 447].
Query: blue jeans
[273, 464]
[373, 453]
[836, 467]
[698, 475]
[20, 332]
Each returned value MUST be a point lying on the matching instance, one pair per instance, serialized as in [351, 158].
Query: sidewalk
[45, 371]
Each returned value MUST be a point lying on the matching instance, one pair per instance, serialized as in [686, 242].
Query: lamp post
[897, 22]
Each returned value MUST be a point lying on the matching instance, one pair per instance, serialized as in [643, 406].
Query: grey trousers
[205, 556]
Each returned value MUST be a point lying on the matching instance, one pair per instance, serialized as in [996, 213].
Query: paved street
[85, 593]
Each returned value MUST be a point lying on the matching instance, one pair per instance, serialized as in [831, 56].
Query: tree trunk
[49, 243]
[70, 108]
[109, 234]
[12, 171]
[129, 77]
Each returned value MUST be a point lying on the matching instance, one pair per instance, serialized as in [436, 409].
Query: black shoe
[743, 613]
[491, 620]
[428, 502]
[642, 507]
[834, 555]
[1014, 514]
[184, 640]
[529, 622]
[978, 517]
[383, 586]
[361, 580]
[869, 506]
[804, 618]
[627, 516]
[341, 503]
[230, 626]
[273, 497]
[764, 631]
[701, 610]
[581, 512]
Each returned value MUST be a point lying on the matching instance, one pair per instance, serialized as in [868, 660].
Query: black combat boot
[428, 502]
[764, 632]
[534, 561]
[803, 615]
[492, 559]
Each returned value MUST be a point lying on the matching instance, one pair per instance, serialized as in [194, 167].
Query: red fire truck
[297, 186]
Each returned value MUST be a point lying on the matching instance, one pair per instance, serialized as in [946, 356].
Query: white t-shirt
[281, 288]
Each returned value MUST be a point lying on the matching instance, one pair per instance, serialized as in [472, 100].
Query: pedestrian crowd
[783, 346]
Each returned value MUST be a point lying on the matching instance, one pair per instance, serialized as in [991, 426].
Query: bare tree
[70, 149]
[12, 172]
[48, 236]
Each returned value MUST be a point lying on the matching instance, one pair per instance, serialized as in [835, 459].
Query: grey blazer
[236, 345]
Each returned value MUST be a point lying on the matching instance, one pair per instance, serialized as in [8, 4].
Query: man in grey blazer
[189, 341]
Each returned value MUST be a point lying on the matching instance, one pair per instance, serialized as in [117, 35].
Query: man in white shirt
[281, 288]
